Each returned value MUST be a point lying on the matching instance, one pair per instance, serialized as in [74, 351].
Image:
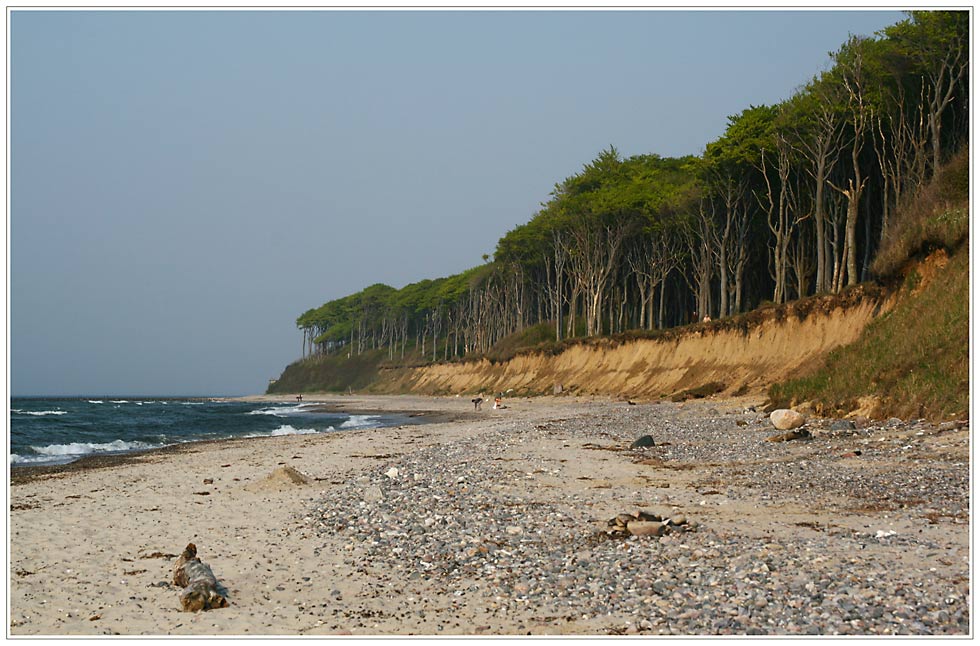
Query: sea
[61, 430]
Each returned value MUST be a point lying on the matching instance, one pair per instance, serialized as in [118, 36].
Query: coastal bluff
[733, 356]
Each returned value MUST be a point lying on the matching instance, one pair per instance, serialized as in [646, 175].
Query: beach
[496, 522]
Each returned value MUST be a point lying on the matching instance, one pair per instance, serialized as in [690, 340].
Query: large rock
[785, 419]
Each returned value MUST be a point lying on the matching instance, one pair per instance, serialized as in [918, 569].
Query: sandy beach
[494, 522]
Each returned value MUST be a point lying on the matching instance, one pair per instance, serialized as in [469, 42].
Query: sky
[184, 184]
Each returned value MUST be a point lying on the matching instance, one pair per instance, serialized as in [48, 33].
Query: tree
[937, 43]
[850, 62]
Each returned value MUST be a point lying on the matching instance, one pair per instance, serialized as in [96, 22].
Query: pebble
[470, 532]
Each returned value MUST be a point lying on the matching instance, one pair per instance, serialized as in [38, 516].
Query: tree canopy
[792, 199]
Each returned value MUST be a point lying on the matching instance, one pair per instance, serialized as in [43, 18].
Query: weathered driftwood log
[197, 579]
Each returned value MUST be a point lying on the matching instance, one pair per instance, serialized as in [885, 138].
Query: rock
[642, 515]
[646, 528]
[392, 473]
[842, 425]
[741, 422]
[643, 442]
[785, 419]
[680, 519]
[514, 530]
[798, 434]
[622, 519]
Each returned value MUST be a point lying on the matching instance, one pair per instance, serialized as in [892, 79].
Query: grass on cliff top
[330, 373]
[915, 359]
[938, 217]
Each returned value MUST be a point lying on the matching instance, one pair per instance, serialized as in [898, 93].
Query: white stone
[392, 473]
[785, 419]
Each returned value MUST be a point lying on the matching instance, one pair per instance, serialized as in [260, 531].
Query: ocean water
[58, 431]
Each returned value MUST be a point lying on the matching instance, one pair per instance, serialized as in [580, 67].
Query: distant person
[477, 403]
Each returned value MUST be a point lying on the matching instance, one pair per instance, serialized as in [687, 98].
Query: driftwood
[197, 579]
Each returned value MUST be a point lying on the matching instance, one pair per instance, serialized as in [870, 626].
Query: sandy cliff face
[744, 360]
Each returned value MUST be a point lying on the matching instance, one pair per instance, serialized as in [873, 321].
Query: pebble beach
[501, 522]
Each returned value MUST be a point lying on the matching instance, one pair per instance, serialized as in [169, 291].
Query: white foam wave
[286, 429]
[95, 401]
[84, 448]
[120, 401]
[280, 411]
[28, 459]
[360, 421]
[39, 413]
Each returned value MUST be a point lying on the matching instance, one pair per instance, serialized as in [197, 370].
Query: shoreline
[21, 473]
[495, 524]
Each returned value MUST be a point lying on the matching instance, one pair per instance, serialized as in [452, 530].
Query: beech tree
[805, 189]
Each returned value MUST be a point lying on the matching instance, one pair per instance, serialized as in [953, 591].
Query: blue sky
[185, 184]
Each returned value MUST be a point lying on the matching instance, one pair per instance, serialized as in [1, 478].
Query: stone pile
[641, 523]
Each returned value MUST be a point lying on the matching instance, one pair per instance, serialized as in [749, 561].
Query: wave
[120, 401]
[38, 413]
[76, 449]
[95, 401]
[28, 459]
[280, 411]
[360, 421]
[286, 429]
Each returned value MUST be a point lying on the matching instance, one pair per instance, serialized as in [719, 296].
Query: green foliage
[625, 236]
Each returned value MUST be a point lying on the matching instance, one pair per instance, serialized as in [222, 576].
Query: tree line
[793, 199]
